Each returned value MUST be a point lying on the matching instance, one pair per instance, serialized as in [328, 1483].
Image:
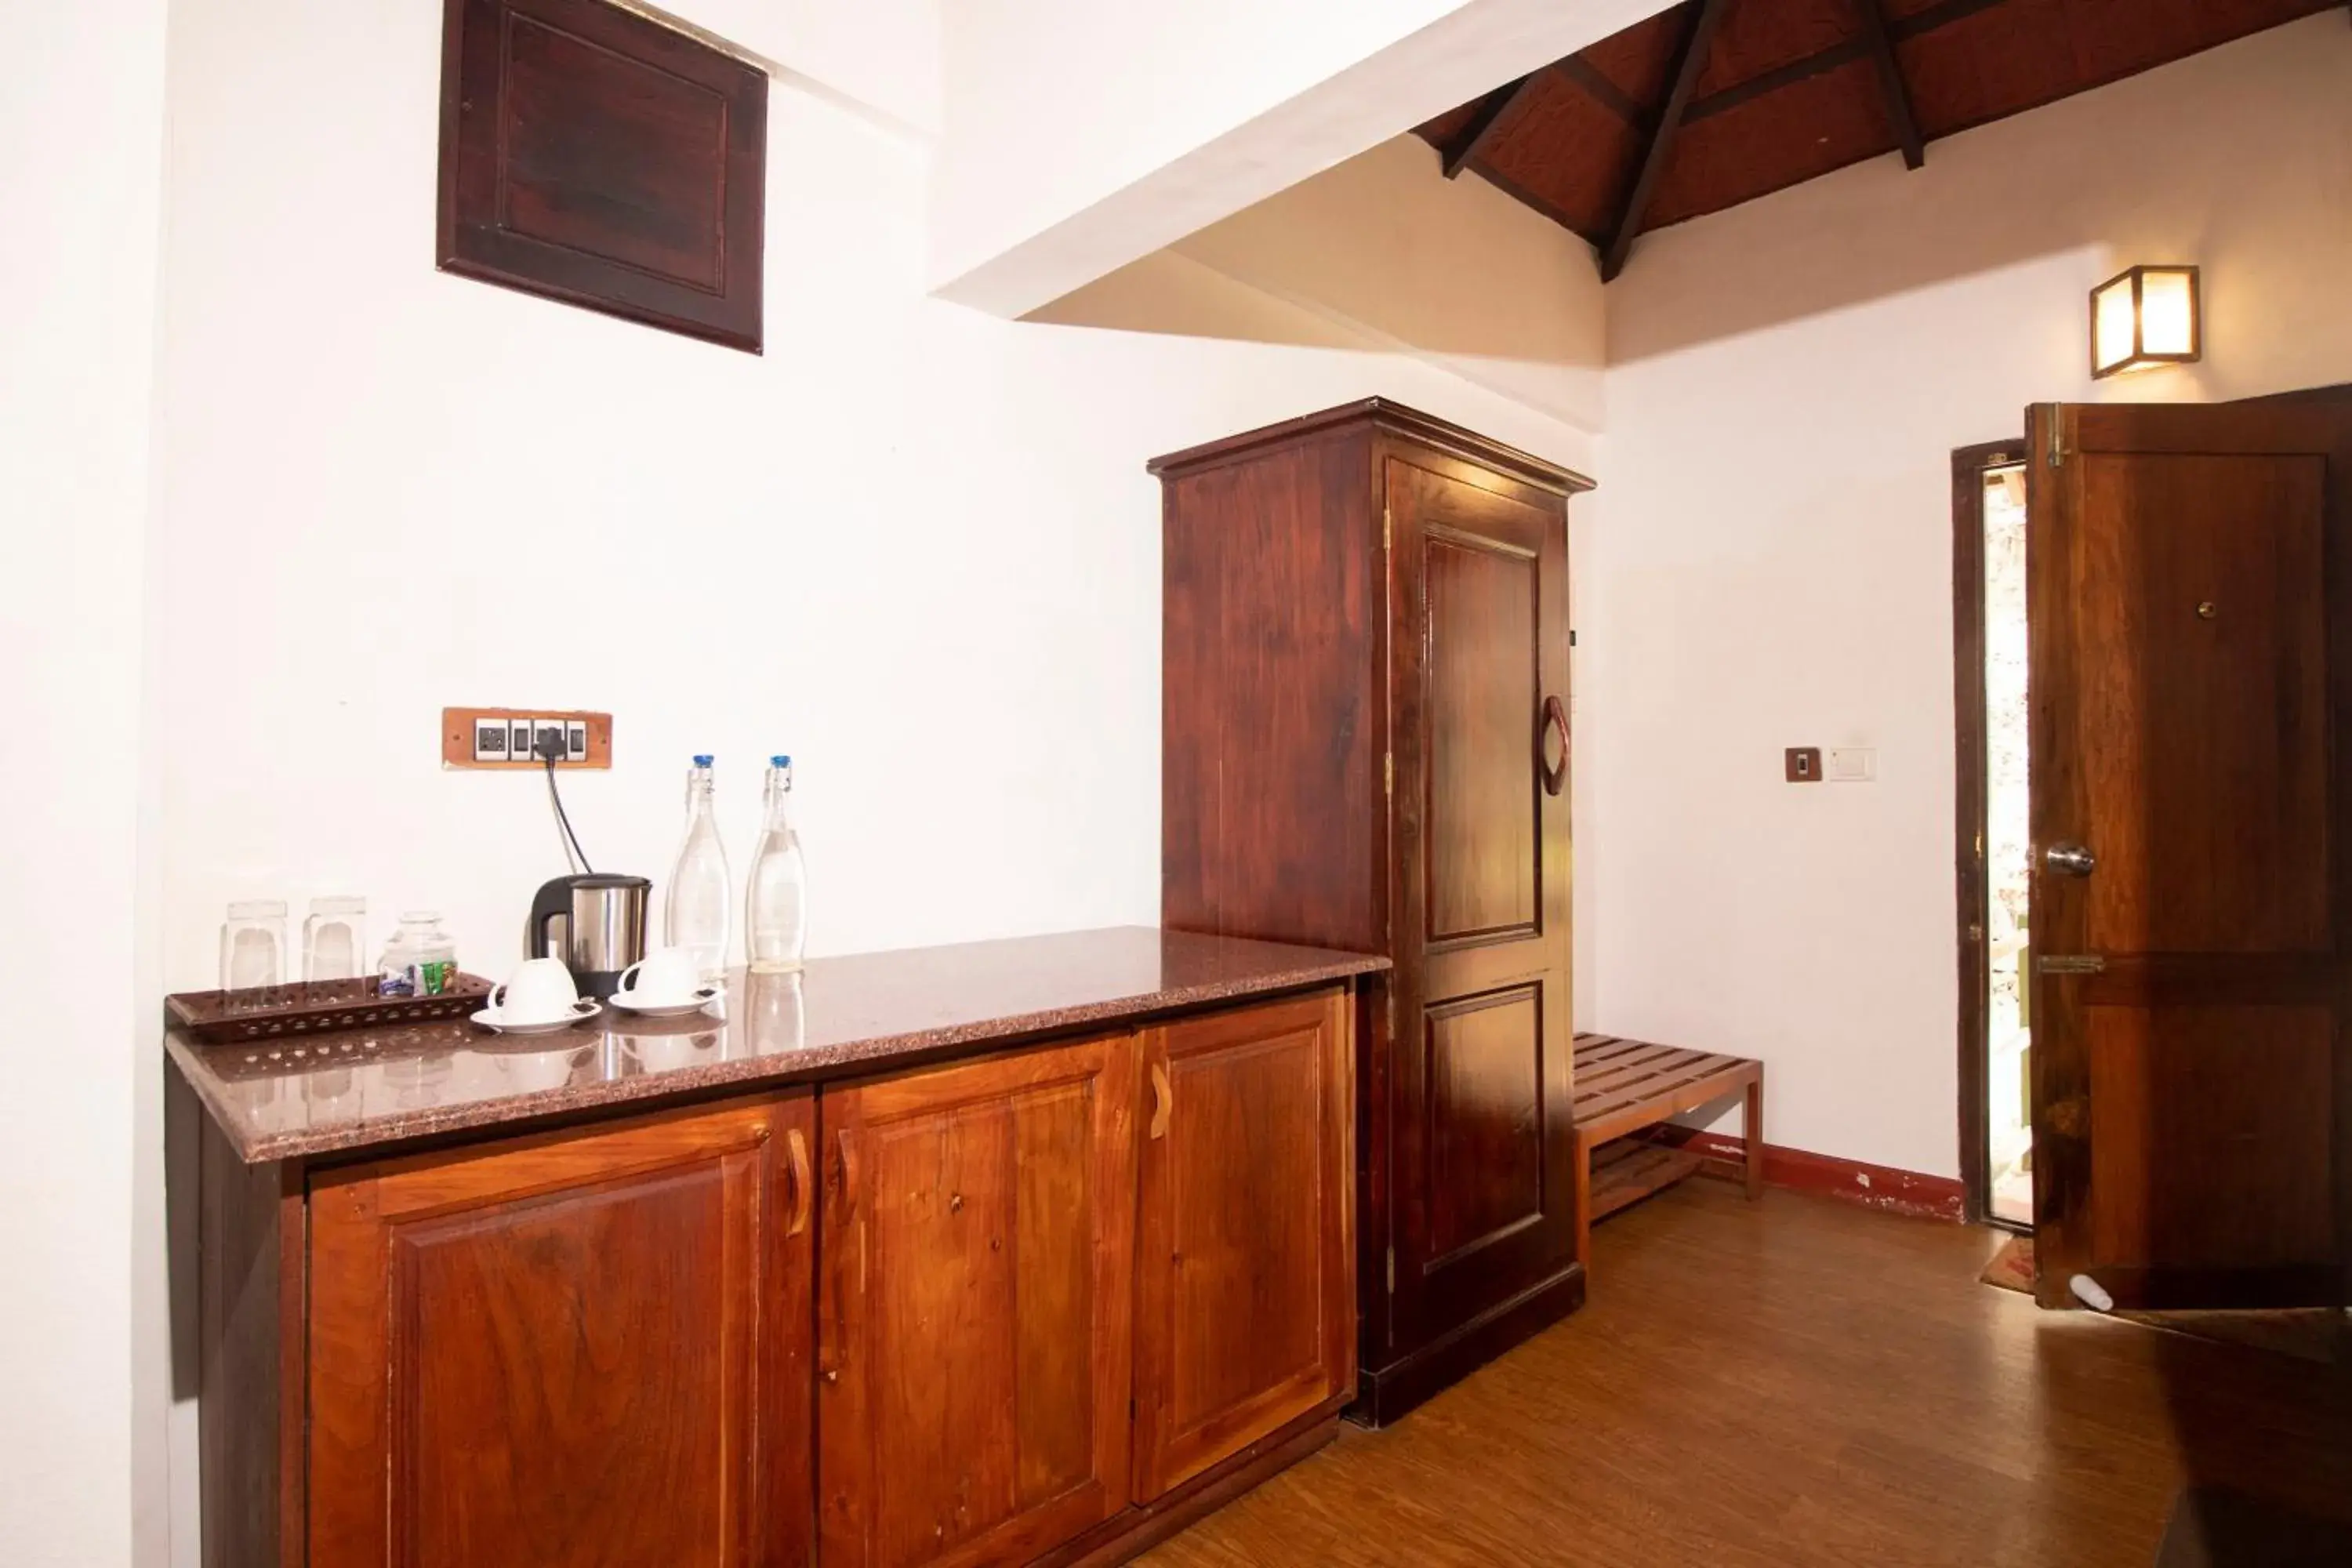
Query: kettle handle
[552, 902]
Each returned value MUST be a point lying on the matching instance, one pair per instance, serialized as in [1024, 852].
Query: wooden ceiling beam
[1891, 84]
[1831, 59]
[1602, 91]
[1788, 75]
[1662, 140]
[1466, 143]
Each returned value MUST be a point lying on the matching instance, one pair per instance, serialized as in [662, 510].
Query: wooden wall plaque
[592, 155]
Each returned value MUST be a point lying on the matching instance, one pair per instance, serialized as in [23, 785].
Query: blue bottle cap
[702, 761]
[780, 762]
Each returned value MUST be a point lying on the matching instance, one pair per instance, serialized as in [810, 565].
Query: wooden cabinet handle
[804, 1182]
[1160, 1099]
[848, 1148]
[830, 1356]
[1555, 717]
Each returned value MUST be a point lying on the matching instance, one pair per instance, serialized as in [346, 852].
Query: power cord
[549, 746]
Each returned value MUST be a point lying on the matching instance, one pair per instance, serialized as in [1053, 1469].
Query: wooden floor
[1801, 1381]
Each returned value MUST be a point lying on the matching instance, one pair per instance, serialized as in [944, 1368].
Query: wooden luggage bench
[1623, 1086]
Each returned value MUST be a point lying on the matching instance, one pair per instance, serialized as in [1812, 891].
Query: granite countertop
[367, 1088]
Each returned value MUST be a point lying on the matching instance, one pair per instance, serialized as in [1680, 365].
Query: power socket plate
[497, 738]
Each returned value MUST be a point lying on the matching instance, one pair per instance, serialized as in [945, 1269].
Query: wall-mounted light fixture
[2145, 316]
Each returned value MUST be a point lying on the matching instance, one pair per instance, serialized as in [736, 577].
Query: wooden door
[586, 1348]
[2191, 682]
[1244, 1257]
[976, 1308]
[1482, 1118]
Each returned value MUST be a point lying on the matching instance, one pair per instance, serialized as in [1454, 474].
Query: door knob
[2070, 859]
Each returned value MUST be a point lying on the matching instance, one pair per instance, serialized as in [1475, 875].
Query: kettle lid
[600, 882]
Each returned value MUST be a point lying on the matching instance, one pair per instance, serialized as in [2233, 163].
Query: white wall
[1772, 558]
[81, 165]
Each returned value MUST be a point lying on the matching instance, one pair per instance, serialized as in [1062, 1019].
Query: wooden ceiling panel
[1788, 89]
[1641, 58]
[1761, 35]
[2011, 57]
[2114, 38]
[1565, 155]
[1806, 129]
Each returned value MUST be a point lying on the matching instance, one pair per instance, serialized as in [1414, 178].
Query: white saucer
[585, 1008]
[703, 996]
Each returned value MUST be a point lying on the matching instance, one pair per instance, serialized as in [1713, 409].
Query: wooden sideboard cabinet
[1365, 744]
[1045, 1304]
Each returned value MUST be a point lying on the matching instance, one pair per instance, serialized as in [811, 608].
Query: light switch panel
[1852, 764]
[506, 738]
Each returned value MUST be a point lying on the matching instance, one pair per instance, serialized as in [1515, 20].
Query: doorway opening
[1994, 852]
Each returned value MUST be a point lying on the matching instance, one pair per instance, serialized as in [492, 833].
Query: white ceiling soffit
[1470, 47]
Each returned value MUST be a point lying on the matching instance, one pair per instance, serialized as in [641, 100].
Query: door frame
[1973, 896]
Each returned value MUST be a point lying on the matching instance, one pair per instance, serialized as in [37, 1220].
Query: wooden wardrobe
[1365, 745]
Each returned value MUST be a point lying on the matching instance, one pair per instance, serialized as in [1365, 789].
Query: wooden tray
[313, 1007]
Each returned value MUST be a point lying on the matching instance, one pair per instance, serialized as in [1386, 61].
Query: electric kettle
[596, 924]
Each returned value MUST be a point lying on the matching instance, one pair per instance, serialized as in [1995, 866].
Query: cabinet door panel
[512, 1351]
[1482, 1123]
[1245, 1280]
[977, 1307]
[1485, 691]
[1486, 1107]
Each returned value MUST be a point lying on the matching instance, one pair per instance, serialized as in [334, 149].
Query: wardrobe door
[1485, 1185]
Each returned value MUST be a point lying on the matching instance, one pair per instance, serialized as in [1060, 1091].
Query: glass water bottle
[694, 912]
[775, 913]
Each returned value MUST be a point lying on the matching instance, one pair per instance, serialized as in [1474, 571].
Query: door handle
[831, 1355]
[1555, 717]
[845, 1146]
[803, 1183]
[2070, 859]
[1161, 1099]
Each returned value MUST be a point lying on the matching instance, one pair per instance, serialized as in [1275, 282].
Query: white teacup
[665, 977]
[541, 991]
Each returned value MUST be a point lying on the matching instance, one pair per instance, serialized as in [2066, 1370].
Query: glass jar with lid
[421, 960]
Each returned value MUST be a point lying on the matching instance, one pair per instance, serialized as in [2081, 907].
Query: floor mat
[2314, 1334]
[2012, 1267]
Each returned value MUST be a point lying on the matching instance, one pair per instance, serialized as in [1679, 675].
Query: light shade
[2145, 316]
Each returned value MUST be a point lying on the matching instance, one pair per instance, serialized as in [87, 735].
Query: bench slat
[1614, 1076]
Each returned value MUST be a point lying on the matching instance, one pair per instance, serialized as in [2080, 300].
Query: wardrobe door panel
[1482, 1123]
